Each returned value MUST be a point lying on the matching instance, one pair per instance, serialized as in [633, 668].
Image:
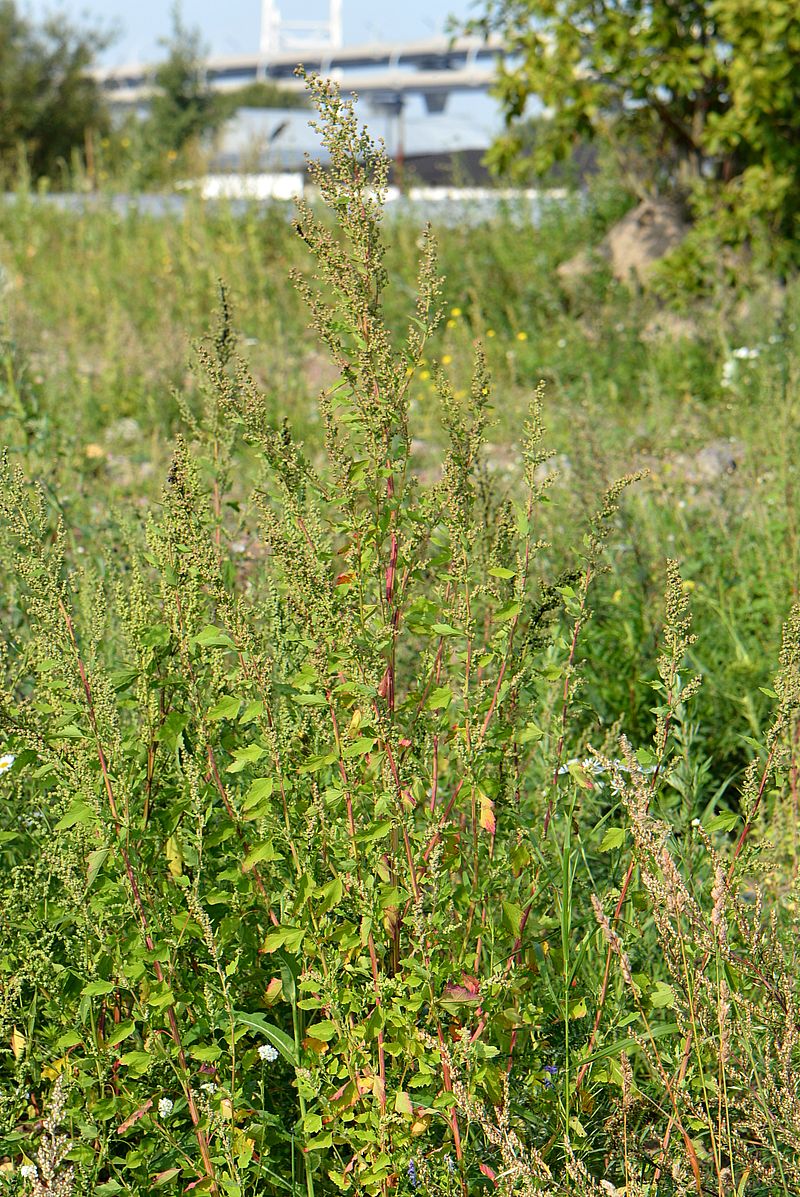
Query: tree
[49, 104]
[184, 108]
[696, 97]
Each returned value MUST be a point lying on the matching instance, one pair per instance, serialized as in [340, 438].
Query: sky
[232, 26]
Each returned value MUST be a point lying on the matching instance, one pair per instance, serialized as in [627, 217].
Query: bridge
[384, 71]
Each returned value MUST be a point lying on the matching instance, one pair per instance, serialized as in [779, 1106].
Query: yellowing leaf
[355, 723]
[51, 1071]
[487, 820]
[18, 1043]
[402, 1104]
[174, 856]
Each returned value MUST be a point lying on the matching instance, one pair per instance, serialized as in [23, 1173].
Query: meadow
[399, 706]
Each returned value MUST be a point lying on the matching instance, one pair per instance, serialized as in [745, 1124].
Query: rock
[633, 246]
[575, 269]
[716, 460]
[642, 238]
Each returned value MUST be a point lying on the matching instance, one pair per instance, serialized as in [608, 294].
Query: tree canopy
[48, 101]
[698, 97]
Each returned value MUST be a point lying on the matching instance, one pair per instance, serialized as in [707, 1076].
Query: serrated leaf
[613, 839]
[97, 988]
[662, 995]
[211, 637]
[78, 813]
[264, 851]
[261, 789]
[378, 831]
[439, 698]
[226, 708]
[323, 1031]
[120, 1032]
[509, 611]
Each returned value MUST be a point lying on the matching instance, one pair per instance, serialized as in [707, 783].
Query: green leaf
[613, 839]
[439, 698]
[264, 851]
[498, 571]
[226, 708]
[325, 1030]
[509, 611]
[274, 1035]
[261, 788]
[96, 988]
[242, 757]
[662, 995]
[78, 813]
[121, 1032]
[211, 637]
[378, 831]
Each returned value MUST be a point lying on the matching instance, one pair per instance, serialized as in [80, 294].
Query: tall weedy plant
[297, 878]
[275, 842]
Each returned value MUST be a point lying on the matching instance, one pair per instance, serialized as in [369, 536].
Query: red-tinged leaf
[471, 983]
[344, 579]
[488, 821]
[490, 1172]
[134, 1117]
[161, 1178]
[459, 993]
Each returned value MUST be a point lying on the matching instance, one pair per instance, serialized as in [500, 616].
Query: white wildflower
[29, 1172]
[165, 1107]
[592, 765]
[209, 1087]
[744, 353]
[267, 1052]
[6, 761]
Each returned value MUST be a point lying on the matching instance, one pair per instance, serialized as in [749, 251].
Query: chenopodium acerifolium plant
[276, 901]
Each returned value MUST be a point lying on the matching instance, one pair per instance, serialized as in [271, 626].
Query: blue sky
[232, 26]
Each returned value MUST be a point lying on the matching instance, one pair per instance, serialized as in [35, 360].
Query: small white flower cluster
[29, 1172]
[730, 366]
[6, 761]
[165, 1107]
[597, 769]
[209, 1087]
[268, 1053]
